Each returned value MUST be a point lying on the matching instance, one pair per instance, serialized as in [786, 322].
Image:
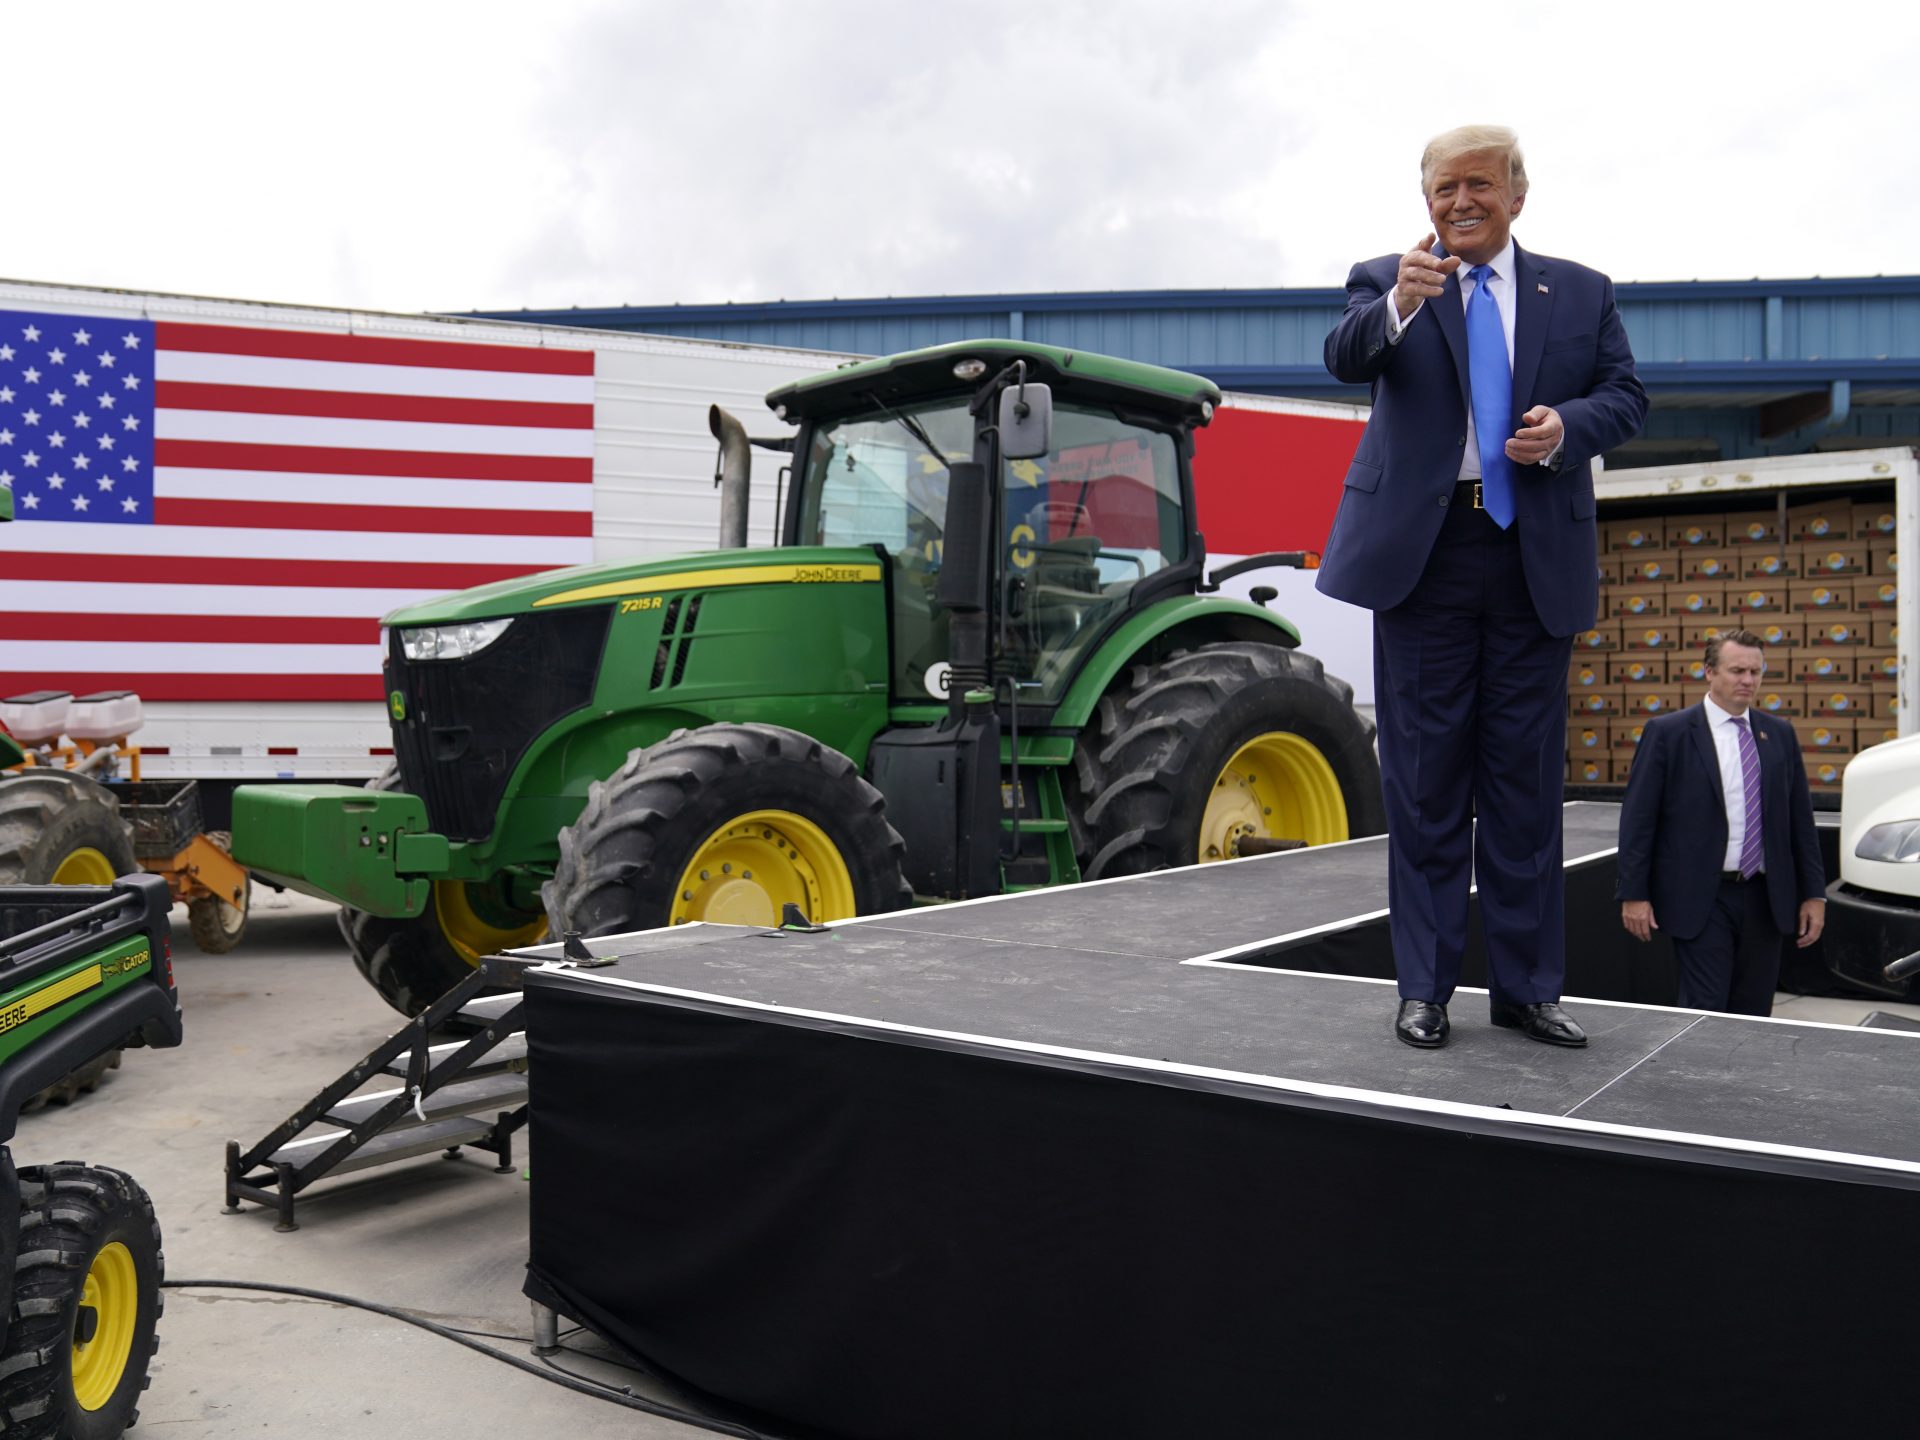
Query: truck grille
[468, 722]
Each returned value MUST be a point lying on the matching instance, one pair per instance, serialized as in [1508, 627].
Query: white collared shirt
[1733, 780]
[1501, 286]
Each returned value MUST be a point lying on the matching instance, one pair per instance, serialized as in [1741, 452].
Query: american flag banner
[219, 512]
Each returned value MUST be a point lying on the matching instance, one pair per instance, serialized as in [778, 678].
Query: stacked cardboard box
[1819, 590]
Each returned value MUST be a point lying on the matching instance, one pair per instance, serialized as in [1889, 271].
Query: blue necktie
[1490, 379]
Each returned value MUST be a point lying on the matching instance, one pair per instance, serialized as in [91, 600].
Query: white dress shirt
[1501, 286]
[1733, 780]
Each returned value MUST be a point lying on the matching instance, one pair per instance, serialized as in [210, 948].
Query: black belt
[1734, 877]
[1467, 492]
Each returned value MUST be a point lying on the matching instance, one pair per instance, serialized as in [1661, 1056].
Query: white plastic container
[38, 718]
[108, 715]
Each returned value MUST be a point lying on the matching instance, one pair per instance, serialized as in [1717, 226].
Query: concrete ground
[267, 1026]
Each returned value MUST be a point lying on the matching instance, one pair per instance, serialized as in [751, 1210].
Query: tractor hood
[585, 584]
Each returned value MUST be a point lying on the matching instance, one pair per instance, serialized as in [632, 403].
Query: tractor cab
[1079, 472]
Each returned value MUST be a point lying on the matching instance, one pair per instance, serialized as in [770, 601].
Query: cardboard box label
[1650, 700]
[1593, 770]
[1878, 665]
[1693, 672]
[1630, 600]
[1654, 637]
[1708, 565]
[1821, 595]
[1832, 735]
[1635, 535]
[1833, 667]
[1781, 632]
[1820, 520]
[1770, 565]
[1840, 560]
[1851, 630]
[1651, 569]
[1640, 670]
[1826, 774]
[1603, 700]
[1756, 599]
[1687, 534]
[1585, 673]
[1601, 637]
[1626, 732]
[1850, 701]
[1696, 600]
[1784, 700]
[1873, 518]
[1590, 737]
[1752, 530]
[1876, 594]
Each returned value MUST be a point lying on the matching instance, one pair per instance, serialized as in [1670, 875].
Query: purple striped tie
[1752, 846]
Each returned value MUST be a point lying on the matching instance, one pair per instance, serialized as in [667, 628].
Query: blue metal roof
[1736, 367]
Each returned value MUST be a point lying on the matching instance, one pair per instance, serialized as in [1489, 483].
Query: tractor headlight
[452, 642]
[1895, 840]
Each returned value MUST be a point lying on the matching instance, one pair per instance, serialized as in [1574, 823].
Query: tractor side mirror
[1026, 422]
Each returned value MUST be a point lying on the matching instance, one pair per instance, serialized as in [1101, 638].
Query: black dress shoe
[1422, 1023]
[1546, 1022]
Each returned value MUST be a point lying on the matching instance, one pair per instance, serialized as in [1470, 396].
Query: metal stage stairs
[470, 1091]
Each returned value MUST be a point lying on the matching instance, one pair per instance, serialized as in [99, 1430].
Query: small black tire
[1148, 767]
[57, 827]
[730, 791]
[413, 962]
[216, 924]
[73, 1369]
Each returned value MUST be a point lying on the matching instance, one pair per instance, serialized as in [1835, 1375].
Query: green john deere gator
[983, 656]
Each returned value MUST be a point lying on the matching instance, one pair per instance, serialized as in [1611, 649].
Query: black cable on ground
[552, 1374]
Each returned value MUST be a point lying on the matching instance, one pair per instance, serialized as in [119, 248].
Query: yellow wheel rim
[112, 1292]
[1278, 786]
[85, 866]
[744, 873]
[471, 934]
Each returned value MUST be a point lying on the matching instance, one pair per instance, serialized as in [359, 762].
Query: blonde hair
[1464, 141]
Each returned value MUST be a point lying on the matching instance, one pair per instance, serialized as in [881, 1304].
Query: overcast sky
[410, 156]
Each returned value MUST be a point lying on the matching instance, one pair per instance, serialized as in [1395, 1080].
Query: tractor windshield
[1080, 527]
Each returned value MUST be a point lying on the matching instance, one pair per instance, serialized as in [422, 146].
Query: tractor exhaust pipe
[732, 476]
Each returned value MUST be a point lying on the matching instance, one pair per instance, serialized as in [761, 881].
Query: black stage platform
[1121, 1159]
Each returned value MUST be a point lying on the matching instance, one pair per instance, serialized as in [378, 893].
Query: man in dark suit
[1467, 527]
[1717, 845]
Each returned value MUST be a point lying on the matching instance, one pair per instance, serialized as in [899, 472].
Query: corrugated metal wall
[1713, 353]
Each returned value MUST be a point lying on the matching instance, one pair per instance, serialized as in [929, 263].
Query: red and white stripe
[304, 485]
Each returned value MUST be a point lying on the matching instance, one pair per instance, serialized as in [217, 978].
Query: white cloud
[491, 155]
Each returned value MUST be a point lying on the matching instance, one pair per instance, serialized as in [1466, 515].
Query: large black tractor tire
[727, 823]
[1190, 756]
[412, 963]
[86, 1305]
[58, 828]
[218, 926]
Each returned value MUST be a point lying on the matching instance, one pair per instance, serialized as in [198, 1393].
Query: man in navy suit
[1717, 845]
[1467, 527]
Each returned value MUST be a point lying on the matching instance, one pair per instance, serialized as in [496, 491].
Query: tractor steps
[468, 1092]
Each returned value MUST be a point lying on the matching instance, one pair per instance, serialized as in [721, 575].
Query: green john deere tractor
[983, 656]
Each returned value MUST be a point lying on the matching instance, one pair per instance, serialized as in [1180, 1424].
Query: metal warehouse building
[1736, 368]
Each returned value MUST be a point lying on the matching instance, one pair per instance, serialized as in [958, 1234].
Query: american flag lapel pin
[1541, 288]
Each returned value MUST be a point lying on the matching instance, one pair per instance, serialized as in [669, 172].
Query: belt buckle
[1478, 503]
